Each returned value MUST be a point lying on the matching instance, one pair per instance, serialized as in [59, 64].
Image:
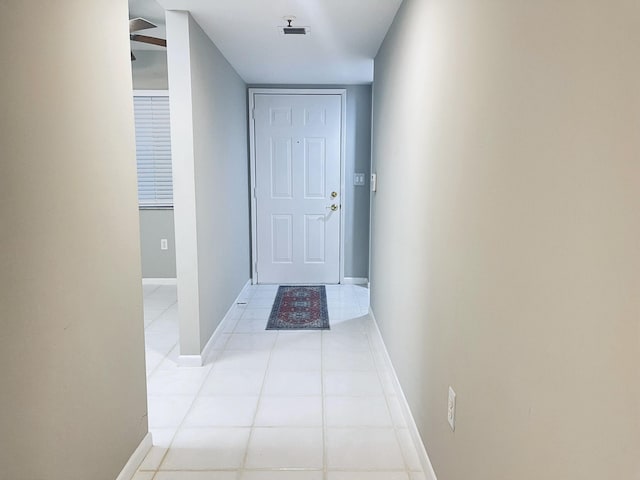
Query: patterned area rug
[299, 308]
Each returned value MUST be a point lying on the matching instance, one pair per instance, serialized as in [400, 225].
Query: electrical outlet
[451, 409]
[358, 179]
[164, 245]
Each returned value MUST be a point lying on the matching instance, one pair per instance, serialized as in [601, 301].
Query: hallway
[275, 405]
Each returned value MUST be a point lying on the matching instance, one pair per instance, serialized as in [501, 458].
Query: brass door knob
[334, 207]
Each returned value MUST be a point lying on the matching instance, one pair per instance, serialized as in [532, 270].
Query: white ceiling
[344, 36]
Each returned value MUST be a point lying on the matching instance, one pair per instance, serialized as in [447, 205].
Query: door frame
[252, 164]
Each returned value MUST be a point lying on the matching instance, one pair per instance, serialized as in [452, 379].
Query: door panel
[281, 168]
[282, 238]
[315, 168]
[297, 167]
[314, 234]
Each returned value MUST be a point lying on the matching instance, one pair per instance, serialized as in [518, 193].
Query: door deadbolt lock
[334, 194]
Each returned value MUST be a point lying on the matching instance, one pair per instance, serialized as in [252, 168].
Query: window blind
[153, 151]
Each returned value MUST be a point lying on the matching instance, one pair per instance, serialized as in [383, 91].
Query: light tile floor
[302, 405]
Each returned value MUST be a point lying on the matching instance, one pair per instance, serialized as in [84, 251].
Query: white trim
[136, 458]
[191, 360]
[423, 456]
[355, 281]
[343, 176]
[252, 153]
[159, 281]
[199, 360]
[151, 93]
[252, 195]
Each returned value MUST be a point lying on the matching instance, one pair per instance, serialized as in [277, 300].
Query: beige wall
[210, 171]
[505, 233]
[73, 399]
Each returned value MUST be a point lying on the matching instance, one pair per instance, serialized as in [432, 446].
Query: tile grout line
[155, 471]
[162, 312]
[380, 369]
[240, 469]
[157, 286]
[189, 410]
[325, 425]
[395, 428]
[155, 369]
[325, 473]
[252, 427]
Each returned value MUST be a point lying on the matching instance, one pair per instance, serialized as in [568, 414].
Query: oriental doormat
[299, 308]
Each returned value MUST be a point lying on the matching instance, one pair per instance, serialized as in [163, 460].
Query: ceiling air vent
[291, 30]
[294, 30]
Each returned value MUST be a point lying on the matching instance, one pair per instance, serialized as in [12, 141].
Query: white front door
[297, 188]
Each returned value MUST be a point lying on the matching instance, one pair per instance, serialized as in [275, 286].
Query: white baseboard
[136, 458]
[159, 281]
[199, 360]
[425, 462]
[355, 281]
[190, 360]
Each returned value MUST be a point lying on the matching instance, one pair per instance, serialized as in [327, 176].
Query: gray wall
[156, 224]
[358, 160]
[149, 72]
[72, 349]
[505, 233]
[211, 192]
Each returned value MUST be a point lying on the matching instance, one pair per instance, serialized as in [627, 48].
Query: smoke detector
[289, 29]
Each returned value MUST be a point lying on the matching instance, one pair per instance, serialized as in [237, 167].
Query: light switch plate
[374, 182]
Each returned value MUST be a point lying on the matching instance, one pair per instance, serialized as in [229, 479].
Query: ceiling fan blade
[145, 39]
[137, 24]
